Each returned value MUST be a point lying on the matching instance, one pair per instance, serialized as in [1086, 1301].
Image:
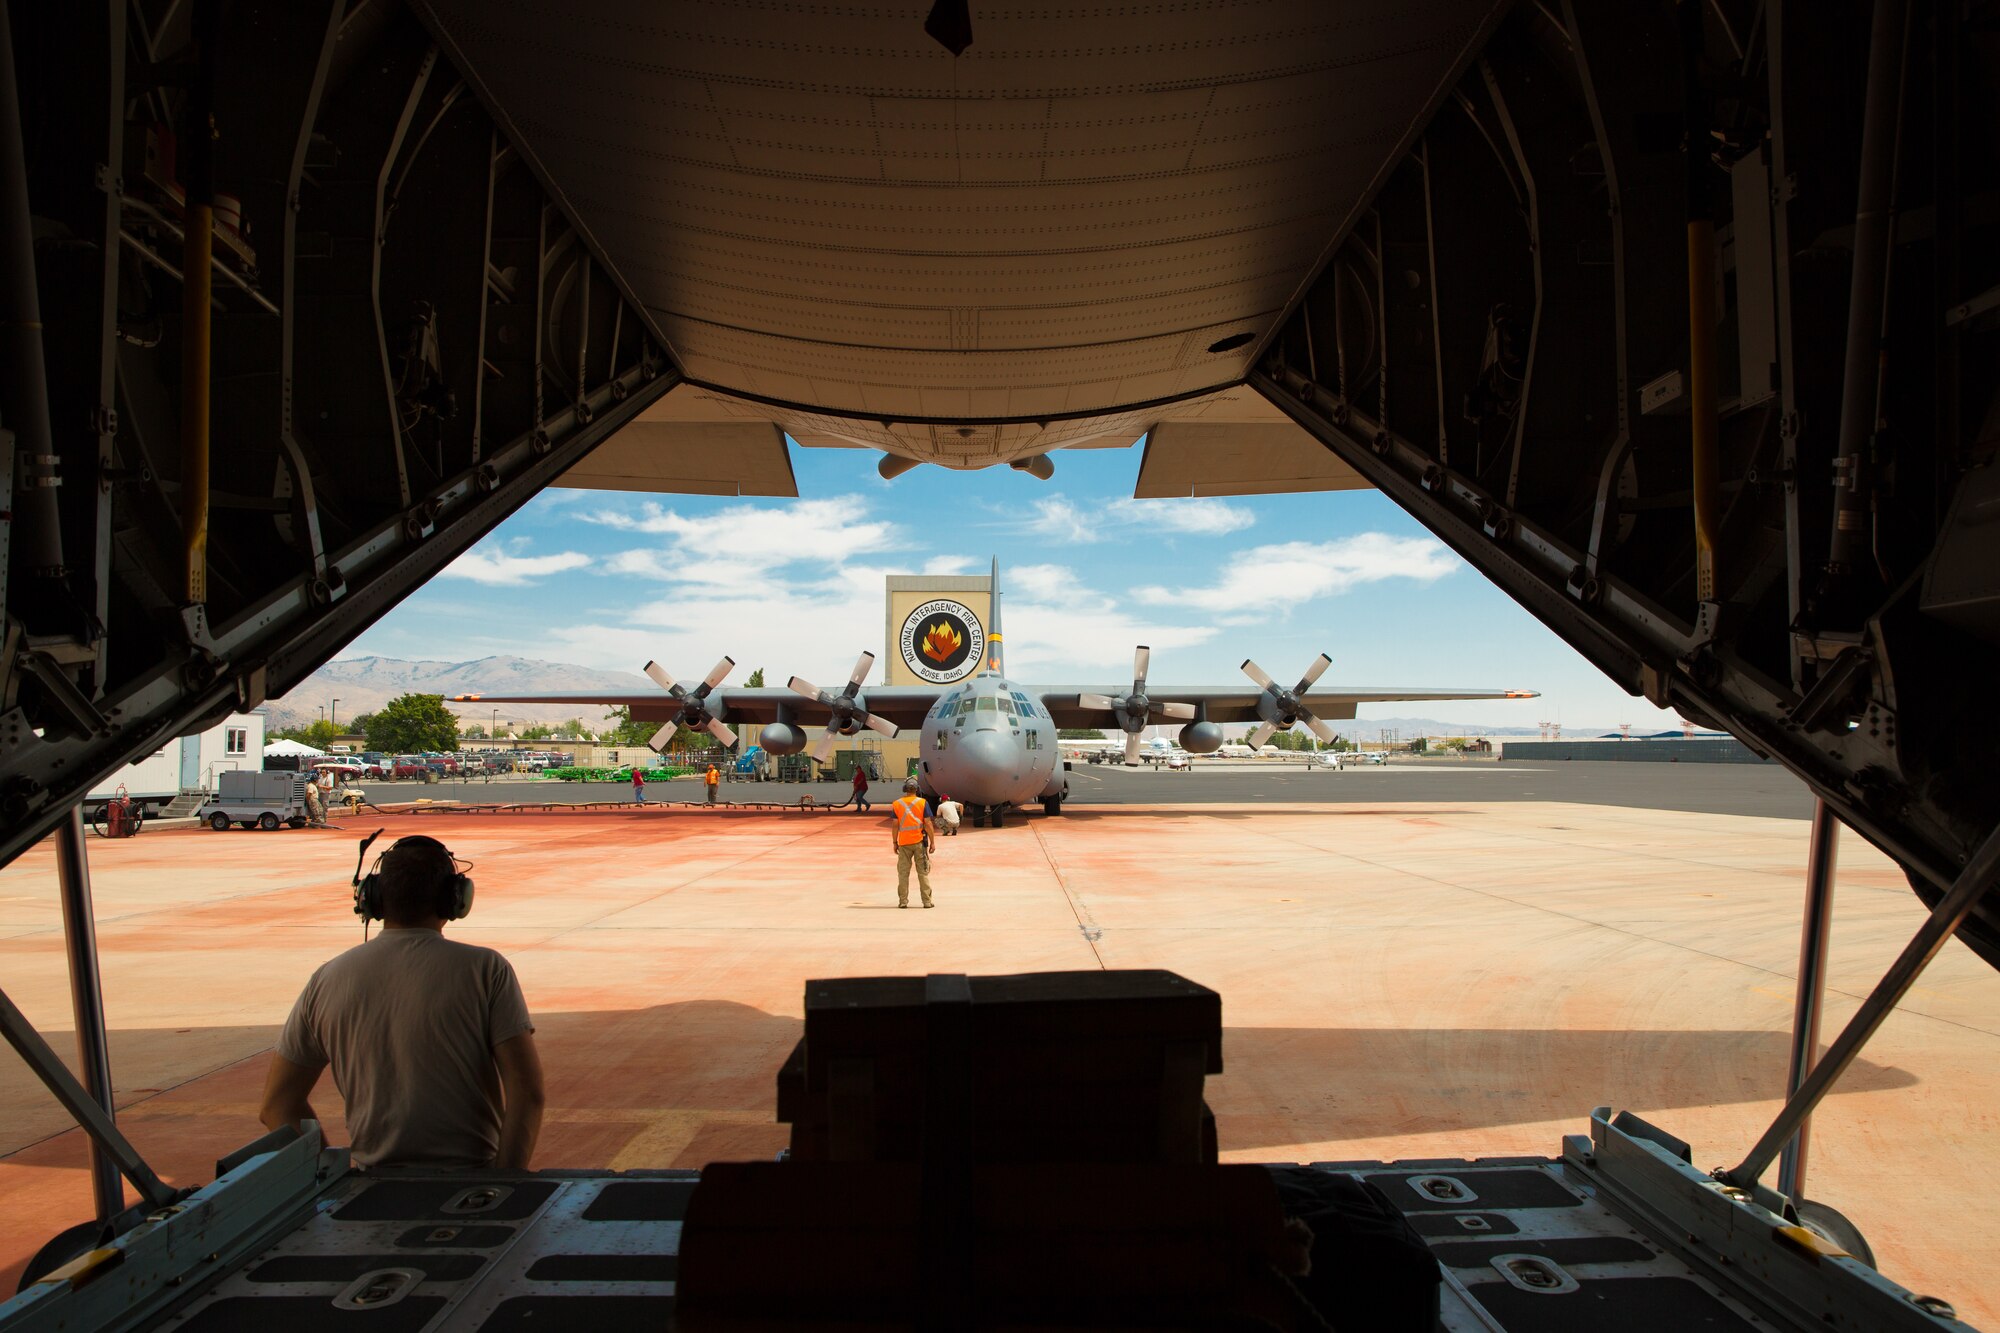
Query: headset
[455, 899]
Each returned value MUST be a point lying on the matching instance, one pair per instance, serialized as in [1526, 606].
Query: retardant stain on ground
[1403, 978]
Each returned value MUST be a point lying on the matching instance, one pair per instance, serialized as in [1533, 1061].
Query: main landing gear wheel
[219, 822]
[268, 822]
[1832, 1224]
[1052, 805]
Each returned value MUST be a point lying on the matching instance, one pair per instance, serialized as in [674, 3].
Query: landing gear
[1052, 805]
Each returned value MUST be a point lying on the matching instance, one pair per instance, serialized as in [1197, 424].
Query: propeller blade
[661, 678]
[823, 747]
[716, 676]
[1132, 748]
[658, 744]
[720, 730]
[1256, 739]
[800, 685]
[1313, 673]
[1320, 727]
[883, 725]
[1256, 673]
[1096, 701]
[860, 676]
[1142, 657]
[1183, 711]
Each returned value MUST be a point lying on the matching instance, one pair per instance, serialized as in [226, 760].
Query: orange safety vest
[909, 820]
[713, 778]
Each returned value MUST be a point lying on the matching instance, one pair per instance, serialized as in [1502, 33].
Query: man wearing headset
[430, 1040]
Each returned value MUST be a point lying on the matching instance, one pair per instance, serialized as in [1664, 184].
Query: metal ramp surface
[1619, 1232]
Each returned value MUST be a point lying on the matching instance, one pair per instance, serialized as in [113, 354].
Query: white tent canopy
[291, 748]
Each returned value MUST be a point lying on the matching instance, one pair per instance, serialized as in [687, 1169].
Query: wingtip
[1524, 694]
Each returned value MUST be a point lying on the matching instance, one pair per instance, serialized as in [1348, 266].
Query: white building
[191, 762]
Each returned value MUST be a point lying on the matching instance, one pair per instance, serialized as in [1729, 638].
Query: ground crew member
[429, 1039]
[949, 812]
[913, 840]
[315, 807]
[638, 785]
[714, 778]
[861, 789]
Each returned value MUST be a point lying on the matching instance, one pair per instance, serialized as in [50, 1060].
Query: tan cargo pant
[918, 855]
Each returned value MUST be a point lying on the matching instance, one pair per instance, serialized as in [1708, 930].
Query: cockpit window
[1007, 706]
[988, 704]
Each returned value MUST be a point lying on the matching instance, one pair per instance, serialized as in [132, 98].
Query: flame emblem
[941, 641]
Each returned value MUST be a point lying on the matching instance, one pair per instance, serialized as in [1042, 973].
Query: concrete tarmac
[1745, 789]
[1404, 977]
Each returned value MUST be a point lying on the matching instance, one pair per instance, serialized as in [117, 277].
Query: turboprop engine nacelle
[782, 738]
[1201, 737]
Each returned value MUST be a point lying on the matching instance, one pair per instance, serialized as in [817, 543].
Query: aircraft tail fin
[993, 619]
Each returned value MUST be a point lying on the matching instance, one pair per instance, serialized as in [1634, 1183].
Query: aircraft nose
[988, 762]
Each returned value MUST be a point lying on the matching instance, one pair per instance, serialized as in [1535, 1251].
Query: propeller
[845, 713]
[694, 705]
[1135, 710]
[1282, 708]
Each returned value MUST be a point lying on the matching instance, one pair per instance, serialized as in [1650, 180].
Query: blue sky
[610, 580]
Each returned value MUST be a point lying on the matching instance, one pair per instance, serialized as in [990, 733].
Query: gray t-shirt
[409, 1021]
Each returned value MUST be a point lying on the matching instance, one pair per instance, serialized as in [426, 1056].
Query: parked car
[409, 766]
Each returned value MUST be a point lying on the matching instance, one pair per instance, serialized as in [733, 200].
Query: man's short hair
[909, 784]
[416, 879]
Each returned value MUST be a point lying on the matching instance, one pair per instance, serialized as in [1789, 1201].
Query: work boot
[904, 903]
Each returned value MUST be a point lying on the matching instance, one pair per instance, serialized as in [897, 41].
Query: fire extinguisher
[121, 817]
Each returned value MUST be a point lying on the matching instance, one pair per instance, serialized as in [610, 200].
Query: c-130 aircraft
[987, 740]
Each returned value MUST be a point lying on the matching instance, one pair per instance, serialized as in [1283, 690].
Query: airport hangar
[1670, 321]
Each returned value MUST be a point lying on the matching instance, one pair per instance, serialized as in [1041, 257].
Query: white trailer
[190, 763]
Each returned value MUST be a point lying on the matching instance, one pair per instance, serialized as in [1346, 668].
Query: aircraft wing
[1238, 703]
[905, 705]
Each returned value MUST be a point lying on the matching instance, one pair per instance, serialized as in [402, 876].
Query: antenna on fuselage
[993, 620]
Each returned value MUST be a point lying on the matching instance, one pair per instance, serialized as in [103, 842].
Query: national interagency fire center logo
[942, 642]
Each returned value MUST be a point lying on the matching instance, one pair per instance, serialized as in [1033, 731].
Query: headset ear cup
[461, 896]
[368, 897]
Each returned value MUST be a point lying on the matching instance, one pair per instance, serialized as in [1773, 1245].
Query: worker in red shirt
[638, 785]
[861, 788]
[913, 837]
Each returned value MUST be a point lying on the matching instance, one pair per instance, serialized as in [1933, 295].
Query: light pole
[322, 712]
[335, 719]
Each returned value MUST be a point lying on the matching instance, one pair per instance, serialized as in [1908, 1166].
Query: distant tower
[1624, 731]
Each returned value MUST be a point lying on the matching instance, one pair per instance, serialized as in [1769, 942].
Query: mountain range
[364, 684]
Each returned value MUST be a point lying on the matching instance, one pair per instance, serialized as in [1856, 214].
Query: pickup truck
[409, 766]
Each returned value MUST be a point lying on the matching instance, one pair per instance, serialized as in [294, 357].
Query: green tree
[539, 732]
[319, 734]
[1079, 734]
[410, 723]
[756, 681]
[358, 724]
[575, 730]
[475, 732]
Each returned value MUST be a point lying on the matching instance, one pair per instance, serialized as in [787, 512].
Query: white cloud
[950, 564]
[1264, 579]
[829, 529]
[495, 568]
[1060, 519]
[1057, 625]
[1205, 518]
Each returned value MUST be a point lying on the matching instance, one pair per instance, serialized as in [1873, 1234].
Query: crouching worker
[430, 1041]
